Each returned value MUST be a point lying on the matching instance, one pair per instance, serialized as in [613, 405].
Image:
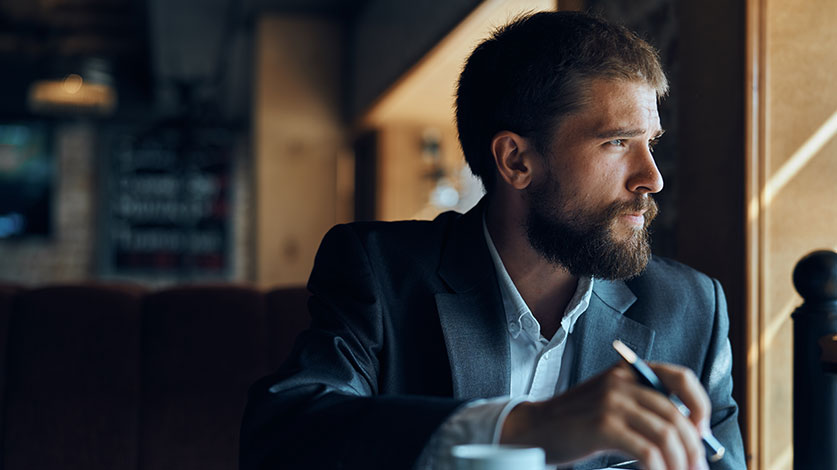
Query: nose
[645, 176]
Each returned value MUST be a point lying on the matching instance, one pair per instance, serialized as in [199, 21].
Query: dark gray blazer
[408, 324]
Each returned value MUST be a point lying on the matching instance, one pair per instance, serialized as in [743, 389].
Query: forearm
[477, 422]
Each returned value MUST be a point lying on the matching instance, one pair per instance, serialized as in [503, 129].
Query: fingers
[678, 438]
[654, 428]
[683, 383]
[632, 442]
[648, 434]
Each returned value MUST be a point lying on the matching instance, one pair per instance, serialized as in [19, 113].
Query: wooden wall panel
[797, 191]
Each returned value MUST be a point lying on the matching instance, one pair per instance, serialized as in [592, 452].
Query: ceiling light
[89, 92]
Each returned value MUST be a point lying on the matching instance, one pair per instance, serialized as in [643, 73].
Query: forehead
[615, 104]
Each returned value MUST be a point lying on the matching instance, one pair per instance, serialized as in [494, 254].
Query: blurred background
[166, 142]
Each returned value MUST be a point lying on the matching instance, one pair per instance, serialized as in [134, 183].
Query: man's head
[588, 205]
[534, 71]
[558, 113]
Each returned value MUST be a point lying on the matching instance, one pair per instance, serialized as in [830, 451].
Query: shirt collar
[518, 314]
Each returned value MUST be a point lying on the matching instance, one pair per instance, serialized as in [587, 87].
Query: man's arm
[323, 409]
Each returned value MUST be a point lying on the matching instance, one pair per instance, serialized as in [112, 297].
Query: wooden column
[299, 138]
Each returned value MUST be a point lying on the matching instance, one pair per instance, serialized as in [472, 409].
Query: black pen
[714, 449]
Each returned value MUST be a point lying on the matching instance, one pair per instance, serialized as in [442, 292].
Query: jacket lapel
[603, 322]
[472, 317]
[478, 350]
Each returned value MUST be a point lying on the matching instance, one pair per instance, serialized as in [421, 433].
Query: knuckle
[669, 435]
[682, 379]
[612, 402]
[694, 440]
[692, 380]
[612, 378]
[672, 414]
[604, 422]
[690, 375]
[695, 449]
[650, 455]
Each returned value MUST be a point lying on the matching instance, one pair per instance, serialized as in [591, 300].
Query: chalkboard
[166, 210]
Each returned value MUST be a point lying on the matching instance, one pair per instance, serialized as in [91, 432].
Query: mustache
[644, 203]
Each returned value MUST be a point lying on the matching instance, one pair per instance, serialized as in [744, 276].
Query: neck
[546, 288]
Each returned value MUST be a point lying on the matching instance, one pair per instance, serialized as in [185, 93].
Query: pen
[714, 449]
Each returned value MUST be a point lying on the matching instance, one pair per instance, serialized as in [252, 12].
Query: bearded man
[496, 325]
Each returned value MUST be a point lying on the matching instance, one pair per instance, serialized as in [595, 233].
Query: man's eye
[617, 142]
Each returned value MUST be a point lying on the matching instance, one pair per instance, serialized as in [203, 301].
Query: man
[496, 325]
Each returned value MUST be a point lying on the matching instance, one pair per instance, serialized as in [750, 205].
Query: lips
[640, 211]
[635, 218]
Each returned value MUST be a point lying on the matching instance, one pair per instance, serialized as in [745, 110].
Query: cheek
[599, 194]
[597, 183]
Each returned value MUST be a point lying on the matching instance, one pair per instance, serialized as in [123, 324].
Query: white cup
[498, 457]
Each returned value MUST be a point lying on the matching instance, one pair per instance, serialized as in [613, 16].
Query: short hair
[532, 72]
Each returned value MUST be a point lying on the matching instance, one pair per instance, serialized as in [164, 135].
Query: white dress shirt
[540, 368]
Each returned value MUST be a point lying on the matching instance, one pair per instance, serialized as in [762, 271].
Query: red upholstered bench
[7, 295]
[114, 376]
[72, 378]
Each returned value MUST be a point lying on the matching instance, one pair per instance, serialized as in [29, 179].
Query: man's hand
[612, 412]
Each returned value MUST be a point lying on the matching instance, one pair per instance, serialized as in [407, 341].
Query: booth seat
[97, 376]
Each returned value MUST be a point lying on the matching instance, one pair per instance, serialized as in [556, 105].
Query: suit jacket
[408, 324]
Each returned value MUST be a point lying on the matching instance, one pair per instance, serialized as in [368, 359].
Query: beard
[584, 241]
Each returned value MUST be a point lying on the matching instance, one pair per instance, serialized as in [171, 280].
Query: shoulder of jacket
[401, 230]
[663, 271]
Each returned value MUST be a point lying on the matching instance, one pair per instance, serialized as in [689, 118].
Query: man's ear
[513, 156]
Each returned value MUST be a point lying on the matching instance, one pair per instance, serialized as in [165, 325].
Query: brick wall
[67, 254]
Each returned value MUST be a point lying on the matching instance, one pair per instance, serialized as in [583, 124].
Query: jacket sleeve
[323, 408]
[716, 376]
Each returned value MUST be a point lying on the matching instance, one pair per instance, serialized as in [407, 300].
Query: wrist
[518, 423]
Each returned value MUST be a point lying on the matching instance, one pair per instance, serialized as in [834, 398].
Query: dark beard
[582, 241]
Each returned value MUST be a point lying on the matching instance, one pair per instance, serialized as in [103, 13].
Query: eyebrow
[625, 132]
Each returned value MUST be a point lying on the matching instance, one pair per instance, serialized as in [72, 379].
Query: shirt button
[513, 327]
[527, 322]
[546, 356]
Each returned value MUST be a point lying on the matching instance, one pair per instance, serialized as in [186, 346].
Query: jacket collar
[603, 322]
[465, 262]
